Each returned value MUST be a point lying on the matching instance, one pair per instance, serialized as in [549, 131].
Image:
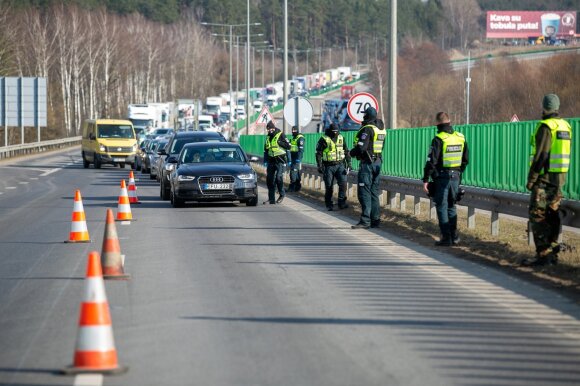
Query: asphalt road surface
[286, 294]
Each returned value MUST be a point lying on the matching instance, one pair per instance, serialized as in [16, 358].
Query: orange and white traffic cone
[78, 232]
[111, 258]
[124, 207]
[95, 347]
[132, 188]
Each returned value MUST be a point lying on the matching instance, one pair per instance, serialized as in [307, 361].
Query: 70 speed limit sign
[359, 103]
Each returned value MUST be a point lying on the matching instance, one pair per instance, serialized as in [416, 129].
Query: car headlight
[248, 176]
[103, 148]
[169, 167]
[185, 178]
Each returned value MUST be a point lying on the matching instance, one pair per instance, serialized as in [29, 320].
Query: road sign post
[359, 103]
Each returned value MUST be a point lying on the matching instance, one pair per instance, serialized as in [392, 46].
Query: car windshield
[116, 131]
[212, 154]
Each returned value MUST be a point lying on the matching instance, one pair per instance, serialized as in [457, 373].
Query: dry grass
[503, 251]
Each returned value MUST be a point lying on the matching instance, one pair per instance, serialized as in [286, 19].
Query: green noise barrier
[498, 154]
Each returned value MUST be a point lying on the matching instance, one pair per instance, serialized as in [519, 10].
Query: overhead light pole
[393, 68]
[285, 60]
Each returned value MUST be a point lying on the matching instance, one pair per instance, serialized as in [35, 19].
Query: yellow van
[108, 141]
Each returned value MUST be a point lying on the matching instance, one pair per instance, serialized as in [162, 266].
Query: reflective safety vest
[378, 138]
[561, 142]
[334, 151]
[453, 145]
[294, 143]
[274, 150]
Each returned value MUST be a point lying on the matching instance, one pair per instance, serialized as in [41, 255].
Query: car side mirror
[172, 160]
[162, 152]
[92, 136]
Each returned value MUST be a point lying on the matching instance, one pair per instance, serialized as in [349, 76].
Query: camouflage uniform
[545, 198]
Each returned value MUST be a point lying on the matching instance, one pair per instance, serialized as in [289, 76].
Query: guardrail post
[417, 205]
[433, 210]
[383, 198]
[530, 234]
[392, 200]
[403, 203]
[470, 217]
[494, 223]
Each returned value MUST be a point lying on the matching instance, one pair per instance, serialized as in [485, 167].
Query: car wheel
[176, 202]
[122, 165]
[252, 201]
[133, 166]
[164, 191]
[152, 177]
[85, 162]
[97, 161]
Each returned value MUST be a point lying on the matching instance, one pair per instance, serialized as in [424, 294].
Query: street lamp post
[285, 60]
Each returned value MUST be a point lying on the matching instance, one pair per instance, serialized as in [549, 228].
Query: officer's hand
[426, 187]
[529, 185]
[298, 161]
[320, 170]
[265, 164]
[289, 164]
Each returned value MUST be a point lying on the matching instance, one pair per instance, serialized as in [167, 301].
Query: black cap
[334, 127]
[370, 114]
[270, 125]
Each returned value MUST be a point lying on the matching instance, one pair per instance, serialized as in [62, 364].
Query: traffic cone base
[112, 261]
[79, 232]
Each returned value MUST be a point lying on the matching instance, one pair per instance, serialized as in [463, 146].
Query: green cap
[551, 103]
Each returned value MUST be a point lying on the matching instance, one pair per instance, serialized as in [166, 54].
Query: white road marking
[88, 380]
[125, 222]
[23, 182]
[34, 178]
[11, 187]
[50, 172]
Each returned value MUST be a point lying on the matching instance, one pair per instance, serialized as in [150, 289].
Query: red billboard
[525, 24]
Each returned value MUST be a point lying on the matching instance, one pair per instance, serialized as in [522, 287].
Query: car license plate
[119, 159]
[216, 186]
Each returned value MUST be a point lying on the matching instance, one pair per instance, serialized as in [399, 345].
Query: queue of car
[190, 166]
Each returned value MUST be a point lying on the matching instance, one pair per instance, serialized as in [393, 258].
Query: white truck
[344, 73]
[142, 116]
[213, 106]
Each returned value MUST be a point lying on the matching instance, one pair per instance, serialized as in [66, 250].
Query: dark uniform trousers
[545, 201]
[275, 179]
[295, 177]
[334, 173]
[368, 191]
[447, 186]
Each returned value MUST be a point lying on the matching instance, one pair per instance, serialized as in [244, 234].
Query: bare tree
[462, 15]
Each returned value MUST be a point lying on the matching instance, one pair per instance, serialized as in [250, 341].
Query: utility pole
[285, 60]
[393, 68]
[468, 81]
[248, 71]
[262, 68]
[273, 66]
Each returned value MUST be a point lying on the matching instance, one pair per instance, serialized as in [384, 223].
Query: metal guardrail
[38, 147]
[395, 190]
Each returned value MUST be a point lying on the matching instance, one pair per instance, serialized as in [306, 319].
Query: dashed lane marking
[88, 380]
[10, 187]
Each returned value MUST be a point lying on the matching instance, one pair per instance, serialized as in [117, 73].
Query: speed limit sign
[359, 103]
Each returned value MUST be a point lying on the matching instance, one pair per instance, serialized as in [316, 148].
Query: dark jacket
[297, 156]
[434, 164]
[282, 142]
[321, 145]
[541, 160]
[363, 149]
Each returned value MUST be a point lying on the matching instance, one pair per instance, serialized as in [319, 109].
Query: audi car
[213, 171]
[172, 149]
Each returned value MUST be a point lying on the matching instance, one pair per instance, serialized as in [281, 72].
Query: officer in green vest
[448, 157]
[275, 160]
[549, 165]
[368, 149]
[333, 160]
[296, 153]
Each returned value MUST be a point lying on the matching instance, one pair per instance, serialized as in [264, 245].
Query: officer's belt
[331, 163]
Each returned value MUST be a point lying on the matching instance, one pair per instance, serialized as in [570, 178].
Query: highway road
[286, 294]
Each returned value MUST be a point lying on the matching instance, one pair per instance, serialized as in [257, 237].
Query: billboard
[525, 24]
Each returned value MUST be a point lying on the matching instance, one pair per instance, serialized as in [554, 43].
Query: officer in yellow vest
[368, 149]
[333, 162]
[549, 165]
[296, 153]
[275, 160]
[447, 159]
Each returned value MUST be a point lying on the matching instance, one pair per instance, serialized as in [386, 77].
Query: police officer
[333, 160]
[549, 165]
[296, 153]
[368, 149]
[275, 161]
[447, 159]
